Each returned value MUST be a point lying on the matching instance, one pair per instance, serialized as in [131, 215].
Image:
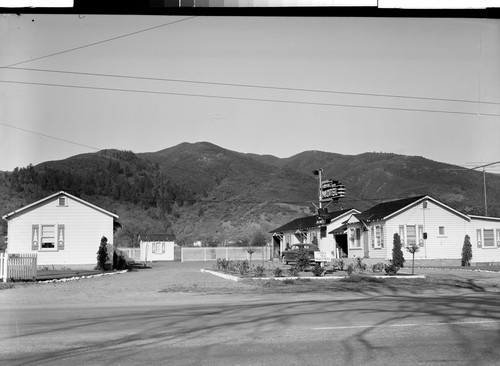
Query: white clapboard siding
[84, 226]
[447, 246]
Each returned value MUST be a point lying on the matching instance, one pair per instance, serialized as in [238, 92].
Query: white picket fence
[206, 254]
[14, 266]
[132, 253]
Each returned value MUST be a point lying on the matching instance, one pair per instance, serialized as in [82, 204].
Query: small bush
[102, 254]
[338, 264]
[259, 271]
[243, 267]
[358, 267]
[303, 260]
[466, 252]
[378, 267]
[293, 271]
[391, 269]
[120, 261]
[318, 270]
[278, 272]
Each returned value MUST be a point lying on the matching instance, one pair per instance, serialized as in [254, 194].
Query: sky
[72, 84]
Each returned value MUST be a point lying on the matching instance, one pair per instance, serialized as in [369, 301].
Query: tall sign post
[328, 191]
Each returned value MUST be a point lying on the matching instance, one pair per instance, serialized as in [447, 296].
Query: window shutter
[479, 238]
[60, 237]
[373, 237]
[498, 238]
[163, 247]
[153, 247]
[35, 237]
[381, 236]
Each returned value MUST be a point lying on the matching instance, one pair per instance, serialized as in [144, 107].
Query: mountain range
[201, 191]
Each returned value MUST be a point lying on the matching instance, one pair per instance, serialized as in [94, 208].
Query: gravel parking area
[175, 281]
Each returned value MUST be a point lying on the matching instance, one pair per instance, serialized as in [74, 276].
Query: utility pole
[319, 172]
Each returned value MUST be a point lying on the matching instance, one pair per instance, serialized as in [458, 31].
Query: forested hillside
[203, 192]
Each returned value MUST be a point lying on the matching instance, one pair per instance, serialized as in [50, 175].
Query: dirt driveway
[184, 282]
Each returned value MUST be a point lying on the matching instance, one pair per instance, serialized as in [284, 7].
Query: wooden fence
[15, 267]
[205, 254]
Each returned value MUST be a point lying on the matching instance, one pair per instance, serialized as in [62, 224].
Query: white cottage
[438, 229]
[63, 230]
[315, 228]
[157, 247]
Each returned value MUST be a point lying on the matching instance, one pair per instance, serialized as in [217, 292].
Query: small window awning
[340, 230]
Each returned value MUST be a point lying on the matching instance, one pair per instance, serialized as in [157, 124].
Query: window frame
[412, 237]
[43, 235]
[64, 202]
[355, 238]
[492, 243]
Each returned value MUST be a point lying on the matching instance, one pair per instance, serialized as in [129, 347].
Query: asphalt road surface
[287, 330]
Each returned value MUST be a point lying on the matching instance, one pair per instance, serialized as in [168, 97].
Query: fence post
[4, 259]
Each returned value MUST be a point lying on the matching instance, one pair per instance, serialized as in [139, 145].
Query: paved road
[287, 330]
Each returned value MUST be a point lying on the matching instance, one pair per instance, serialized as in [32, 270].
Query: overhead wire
[98, 42]
[360, 106]
[255, 86]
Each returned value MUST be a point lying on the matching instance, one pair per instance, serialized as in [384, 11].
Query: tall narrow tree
[466, 252]
[397, 253]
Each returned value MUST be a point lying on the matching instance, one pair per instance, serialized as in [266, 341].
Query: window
[411, 235]
[489, 238]
[48, 237]
[420, 235]
[379, 241]
[402, 234]
[355, 237]
[62, 201]
[441, 231]
[158, 248]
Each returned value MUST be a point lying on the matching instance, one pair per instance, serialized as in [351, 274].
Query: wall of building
[152, 251]
[481, 252]
[83, 229]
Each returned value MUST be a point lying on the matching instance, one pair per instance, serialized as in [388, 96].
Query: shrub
[341, 264]
[318, 270]
[397, 254]
[242, 267]
[102, 254]
[223, 264]
[120, 261]
[358, 267]
[278, 272]
[293, 271]
[391, 269]
[302, 260]
[378, 267]
[259, 271]
[466, 252]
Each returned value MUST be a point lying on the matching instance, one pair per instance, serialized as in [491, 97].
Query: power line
[360, 106]
[134, 77]
[99, 42]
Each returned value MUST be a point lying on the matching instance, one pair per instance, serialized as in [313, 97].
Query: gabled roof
[309, 222]
[53, 196]
[382, 210]
[157, 237]
[386, 210]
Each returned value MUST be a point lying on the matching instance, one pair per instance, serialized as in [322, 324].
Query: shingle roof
[53, 196]
[157, 237]
[385, 209]
[307, 222]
